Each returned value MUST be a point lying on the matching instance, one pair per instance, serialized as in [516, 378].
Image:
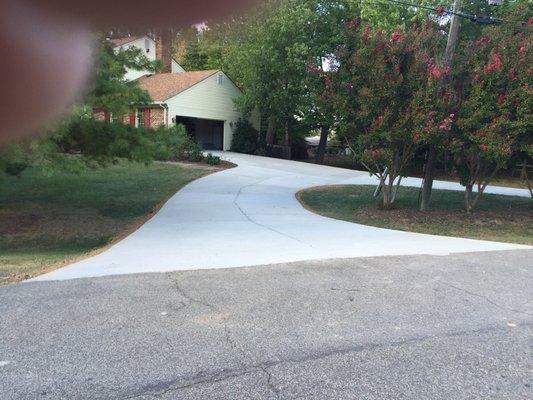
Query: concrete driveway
[249, 216]
[404, 328]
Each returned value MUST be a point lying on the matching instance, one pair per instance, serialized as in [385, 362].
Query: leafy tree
[272, 56]
[380, 78]
[93, 143]
[495, 119]
[109, 90]
[245, 138]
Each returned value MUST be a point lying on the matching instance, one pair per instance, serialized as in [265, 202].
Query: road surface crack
[229, 340]
[250, 219]
[483, 297]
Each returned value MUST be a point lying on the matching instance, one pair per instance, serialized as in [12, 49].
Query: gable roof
[117, 42]
[162, 87]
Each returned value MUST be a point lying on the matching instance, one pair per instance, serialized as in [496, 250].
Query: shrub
[211, 159]
[173, 143]
[245, 138]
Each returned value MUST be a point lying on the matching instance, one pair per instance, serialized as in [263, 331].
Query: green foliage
[495, 120]
[174, 144]
[211, 159]
[109, 90]
[379, 79]
[245, 138]
[13, 160]
[189, 150]
[103, 142]
[273, 52]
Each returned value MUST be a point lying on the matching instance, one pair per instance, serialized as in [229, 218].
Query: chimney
[163, 50]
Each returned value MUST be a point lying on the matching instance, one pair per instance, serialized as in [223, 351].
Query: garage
[203, 101]
[209, 134]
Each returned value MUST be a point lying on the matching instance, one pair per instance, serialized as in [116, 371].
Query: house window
[143, 118]
[147, 45]
[220, 79]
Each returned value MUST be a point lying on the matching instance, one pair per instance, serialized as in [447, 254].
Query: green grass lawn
[47, 221]
[498, 218]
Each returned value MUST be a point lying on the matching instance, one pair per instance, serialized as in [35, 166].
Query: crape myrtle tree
[379, 81]
[495, 120]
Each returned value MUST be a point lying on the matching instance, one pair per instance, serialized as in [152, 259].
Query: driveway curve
[249, 216]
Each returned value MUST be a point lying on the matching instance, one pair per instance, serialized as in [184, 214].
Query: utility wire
[473, 18]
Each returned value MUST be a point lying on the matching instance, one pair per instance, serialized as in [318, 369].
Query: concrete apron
[249, 216]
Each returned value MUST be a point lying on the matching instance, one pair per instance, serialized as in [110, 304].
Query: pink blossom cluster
[496, 64]
[396, 36]
[439, 72]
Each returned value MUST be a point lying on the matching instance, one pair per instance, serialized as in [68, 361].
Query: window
[220, 79]
[143, 118]
[147, 45]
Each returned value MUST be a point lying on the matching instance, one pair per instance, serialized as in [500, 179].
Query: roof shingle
[123, 40]
[162, 87]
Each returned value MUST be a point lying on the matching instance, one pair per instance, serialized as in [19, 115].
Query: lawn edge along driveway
[498, 218]
[249, 216]
[49, 221]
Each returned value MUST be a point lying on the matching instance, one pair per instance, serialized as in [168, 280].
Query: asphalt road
[410, 327]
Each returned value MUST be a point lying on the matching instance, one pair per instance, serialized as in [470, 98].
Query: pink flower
[446, 125]
[502, 99]
[483, 40]
[496, 64]
[366, 33]
[440, 11]
[396, 36]
[513, 75]
[417, 137]
[438, 72]
[379, 120]
[484, 148]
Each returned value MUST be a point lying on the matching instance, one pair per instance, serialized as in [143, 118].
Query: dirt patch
[13, 223]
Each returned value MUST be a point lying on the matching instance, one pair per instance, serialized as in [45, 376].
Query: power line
[473, 18]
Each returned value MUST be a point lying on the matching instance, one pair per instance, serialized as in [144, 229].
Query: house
[203, 101]
[153, 48]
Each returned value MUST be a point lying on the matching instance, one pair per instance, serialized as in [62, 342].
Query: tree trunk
[427, 186]
[387, 197]
[468, 198]
[388, 192]
[288, 126]
[271, 131]
[321, 150]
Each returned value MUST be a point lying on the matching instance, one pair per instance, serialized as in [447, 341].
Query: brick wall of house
[163, 50]
[99, 115]
[157, 117]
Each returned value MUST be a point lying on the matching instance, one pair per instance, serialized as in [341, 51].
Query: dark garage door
[209, 134]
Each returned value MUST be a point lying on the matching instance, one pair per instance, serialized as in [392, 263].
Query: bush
[245, 138]
[106, 142]
[173, 143]
[211, 159]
